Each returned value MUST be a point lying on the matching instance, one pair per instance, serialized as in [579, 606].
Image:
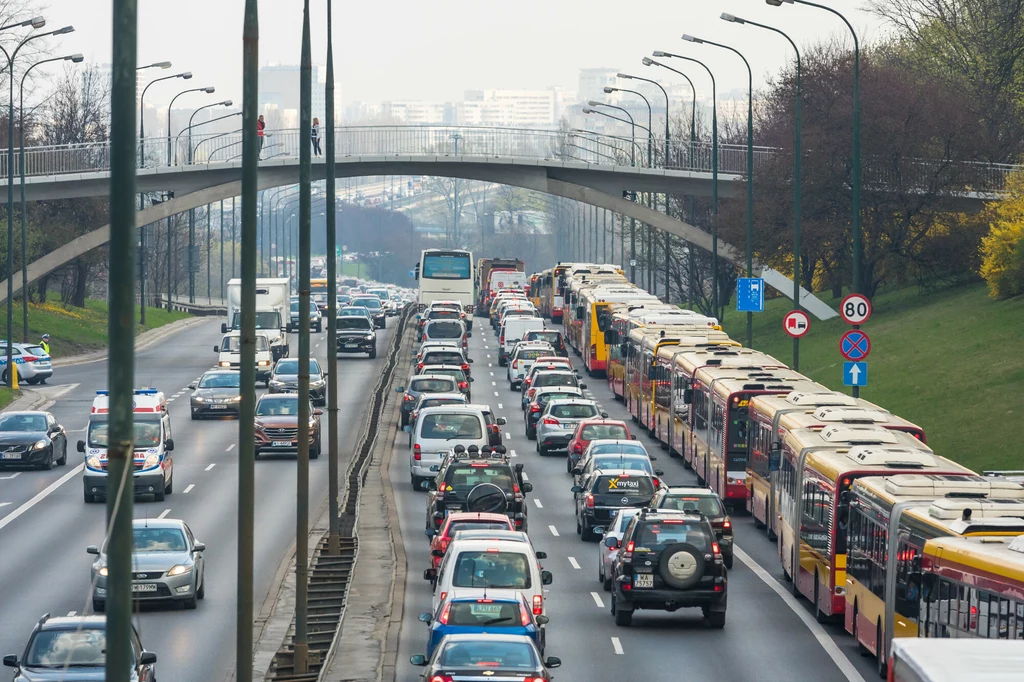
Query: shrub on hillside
[1002, 250]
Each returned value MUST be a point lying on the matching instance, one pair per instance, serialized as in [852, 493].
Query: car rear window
[451, 426]
[573, 411]
[529, 354]
[454, 373]
[367, 302]
[627, 486]
[616, 462]
[443, 329]
[483, 612]
[432, 385]
[554, 338]
[672, 531]
[443, 358]
[601, 431]
[455, 527]
[469, 476]
[483, 654]
[706, 504]
[618, 448]
[504, 570]
[555, 380]
[437, 402]
[545, 398]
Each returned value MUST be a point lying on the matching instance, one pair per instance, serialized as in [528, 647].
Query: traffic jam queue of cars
[875, 529]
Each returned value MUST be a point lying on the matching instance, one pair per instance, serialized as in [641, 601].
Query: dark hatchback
[356, 334]
[32, 439]
[374, 306]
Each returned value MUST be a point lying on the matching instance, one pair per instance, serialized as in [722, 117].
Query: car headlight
[263, 363]
[198, 399]
[237, 398]
[370, 337]
[39, 445]
[151, 461]
[275, 383]
[93, 462]
[180, 569]
[103, 571]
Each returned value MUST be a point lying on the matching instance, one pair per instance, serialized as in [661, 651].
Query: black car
[80, 642]
[606, 491]
[216, 393]
[375, 308]
[551, 336]
[471, 480]
[316, 322]
[707, 502]
[356, 334]
[32, 439]
[285, 379]
[668, 560]
[484, 656]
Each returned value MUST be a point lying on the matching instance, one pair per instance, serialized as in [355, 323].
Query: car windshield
[456, 526]
[706, 504]
[443, 329]
[220, 380]
[291, 366]
[159, 540]
[74, 648]
[610, 431]
[284, 405]
[484, 653]
[505, 570]
[22, 422]
[451, 426]
[231, 344]
[625, 485]
[440, 357]
[432, 385]
[484, 612]
[366, 302]
[352, 323]
[554, 379]
[618, 448]
[147, 434]
[619, 462]
[572, 411]
[468, 476]
[672, 531]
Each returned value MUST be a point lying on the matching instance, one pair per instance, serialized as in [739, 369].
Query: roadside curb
[148, 338]
[28, 401]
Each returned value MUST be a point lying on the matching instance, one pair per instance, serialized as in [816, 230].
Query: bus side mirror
[687, 396]
[775, 457]
[650, 374]
[580, 312]
[609, 336]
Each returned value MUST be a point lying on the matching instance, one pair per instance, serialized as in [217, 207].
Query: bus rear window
[446, 266]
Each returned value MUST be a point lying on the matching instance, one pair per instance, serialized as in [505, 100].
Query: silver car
[167, 562]
[558, 423]
[33, 362]
[606, 554]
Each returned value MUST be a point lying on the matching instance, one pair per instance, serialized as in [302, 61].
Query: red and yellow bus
[891, 519]
[599, 304]
[577, 302]
[818, 466]
[771, 416]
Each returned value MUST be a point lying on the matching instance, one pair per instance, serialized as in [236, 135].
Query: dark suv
[604, 492]
[477, 481]
[707, 502]
[668, 560]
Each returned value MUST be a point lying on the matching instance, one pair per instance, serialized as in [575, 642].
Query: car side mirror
[425, 618]
[192, 386]
[632, 437]
[400, 389]
[582, 386]
[223, 328]
[500, 421]
[81, 446]
[687, 396]
[437, 552]
[598, 530]
[471, 379]
[147, 658]
[542, 555]
[527, 487]
[552, 662]
[576, 471]
[659, 472]
[545, 577]
[430, 574]
[438, 516]
[418, 659]
[650, 374]
[430, 532]
[92, 549]
[542, 620]
[611, 543]
[609, 336]
[11, 660]
[576, 489]
[469, 361]
[199, 547]
[216, 349]
[169, 444]
[407, 428]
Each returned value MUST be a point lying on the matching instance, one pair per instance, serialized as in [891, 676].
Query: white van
[230, 354]
[513, 329]
[499, 568]
[439, 429]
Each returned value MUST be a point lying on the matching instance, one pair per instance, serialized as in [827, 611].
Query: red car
[441, 538]
[596, 429]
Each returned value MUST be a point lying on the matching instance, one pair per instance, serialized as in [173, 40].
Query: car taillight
[463, 384]
[524, 615]
[29, 358]
[627, 553]
[443, 595]
[409, 397]
[727, 524]
[529, 381]
[534, 408]
[578, 448]
[416, 455]
[445, 612]
[515, 364]
[550, 421]
[465, 367]
[419, 366]
[657, 482]
[501, 339]
[532, 392]
[590, 500]
[444, 544]
[538, 604]
[441, 678]
[715, 549]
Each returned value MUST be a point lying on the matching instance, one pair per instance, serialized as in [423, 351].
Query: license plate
[143, 587]
[282, 443]
[218, 407]
[641, 580]
[11, 455]
[353, 344]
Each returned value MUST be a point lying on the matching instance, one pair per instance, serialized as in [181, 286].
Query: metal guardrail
[198, 309]
[489, 142]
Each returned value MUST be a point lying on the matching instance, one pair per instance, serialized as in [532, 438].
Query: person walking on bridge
[45, 343]
[315, 136]
[260, 128]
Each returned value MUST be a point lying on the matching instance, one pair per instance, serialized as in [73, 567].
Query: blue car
[478, 615]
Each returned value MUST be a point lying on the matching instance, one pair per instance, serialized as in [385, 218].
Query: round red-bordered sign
[855, 345]
[796, 323]
[855, 309]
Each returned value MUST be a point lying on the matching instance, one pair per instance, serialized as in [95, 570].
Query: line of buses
[871, 525]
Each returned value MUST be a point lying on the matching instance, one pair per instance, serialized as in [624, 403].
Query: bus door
[735, 445]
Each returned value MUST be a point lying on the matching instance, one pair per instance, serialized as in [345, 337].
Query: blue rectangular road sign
[855, 374]
[750, 295]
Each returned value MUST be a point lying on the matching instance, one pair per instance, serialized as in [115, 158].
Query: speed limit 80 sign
[855, 309]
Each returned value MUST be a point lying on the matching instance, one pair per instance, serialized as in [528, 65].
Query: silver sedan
[167, 564]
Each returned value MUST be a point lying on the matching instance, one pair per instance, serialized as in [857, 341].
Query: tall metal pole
[247, 409]
[170, 195]
[209, 249]
[301, 643]
[221, 223]
[333, 468]
[121, 341]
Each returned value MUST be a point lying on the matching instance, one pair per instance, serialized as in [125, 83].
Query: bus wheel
[819, 615]
[880, 651]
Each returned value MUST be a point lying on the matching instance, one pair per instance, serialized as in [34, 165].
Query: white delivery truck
[273, 295]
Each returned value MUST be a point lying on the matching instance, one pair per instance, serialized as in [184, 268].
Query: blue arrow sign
[855, 374]
[750, 295]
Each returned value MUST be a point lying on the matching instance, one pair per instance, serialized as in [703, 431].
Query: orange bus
[576, 304]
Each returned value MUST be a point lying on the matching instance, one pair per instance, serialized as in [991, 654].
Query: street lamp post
[192, 266]
[208, 90]
[797, 182]
[750, 168]
[76, 58]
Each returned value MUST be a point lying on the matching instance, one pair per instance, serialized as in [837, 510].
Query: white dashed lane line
[495, 393]
[537, 502]
[617, 646]
[554, 531]
[230, 448]
[597, 600]
[72, 613]
[164, 513]
[572, 561]
[211, 466]
[188, 488]
[500, 407]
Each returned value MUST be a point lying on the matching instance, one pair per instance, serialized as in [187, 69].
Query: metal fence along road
[504, 143]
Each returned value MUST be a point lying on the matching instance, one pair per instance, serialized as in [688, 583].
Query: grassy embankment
[952, 362]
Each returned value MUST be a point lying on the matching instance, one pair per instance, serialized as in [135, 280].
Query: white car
[523, 356]
[439, 429]
[605, 554]
[230, 354]
[32, 361]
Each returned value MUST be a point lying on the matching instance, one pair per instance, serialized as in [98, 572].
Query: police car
[32, 361]
[153, 472]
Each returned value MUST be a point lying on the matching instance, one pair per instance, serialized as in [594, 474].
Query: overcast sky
[434, 50]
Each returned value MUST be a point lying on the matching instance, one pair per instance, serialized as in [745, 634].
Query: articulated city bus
[598, 305]
[891, 518]
[973, 587]
[771, 416]
[577, 305]
[819, 465]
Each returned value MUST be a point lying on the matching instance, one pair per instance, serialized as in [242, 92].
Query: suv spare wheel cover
[486, 497]
[681, 565]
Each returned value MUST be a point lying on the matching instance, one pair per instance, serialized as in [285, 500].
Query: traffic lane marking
[211, 466]
[818, 632]
[188, 488]
[537, 502]
[230, 448]
[573, 562]
[617, 646]
[164, 513]
[41, 496]
[554, 531]
[10, 476]
[597, 600]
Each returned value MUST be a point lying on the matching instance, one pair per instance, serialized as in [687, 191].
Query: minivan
[230, 354]
[439, 429]
[512, 331]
